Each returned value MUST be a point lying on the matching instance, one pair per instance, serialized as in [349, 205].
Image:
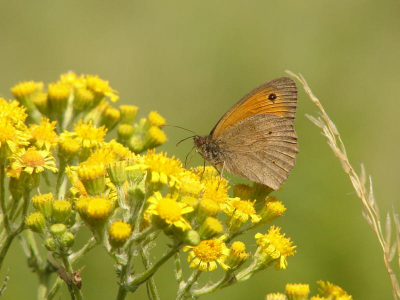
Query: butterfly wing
[268, 156]
[276, 97]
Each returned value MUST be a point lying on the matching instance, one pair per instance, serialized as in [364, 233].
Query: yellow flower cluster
[123, 190]
[294, 291]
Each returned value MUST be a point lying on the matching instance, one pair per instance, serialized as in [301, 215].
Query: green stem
[73, 289]
[178, 268]
[185, 288]
[151, 285]
[60, 177]
[13, 234]
[6, 219]
[92, 243]
[54, 289]
[227, 280]
[141, 278]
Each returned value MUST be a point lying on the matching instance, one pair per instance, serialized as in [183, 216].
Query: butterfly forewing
[276, 97]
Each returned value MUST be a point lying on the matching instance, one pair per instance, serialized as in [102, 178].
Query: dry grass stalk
[364, 191]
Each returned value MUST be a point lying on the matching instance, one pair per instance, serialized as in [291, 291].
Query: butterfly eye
[271, 96]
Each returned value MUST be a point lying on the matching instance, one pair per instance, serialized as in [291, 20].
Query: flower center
[208, 250]
[32, 158]
[168, 209]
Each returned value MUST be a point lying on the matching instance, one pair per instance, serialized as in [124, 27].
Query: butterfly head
[209, 149]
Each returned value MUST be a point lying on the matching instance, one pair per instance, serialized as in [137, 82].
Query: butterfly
[255, 139]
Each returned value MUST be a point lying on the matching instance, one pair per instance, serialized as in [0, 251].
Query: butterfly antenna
[177, 144]
[178, 127]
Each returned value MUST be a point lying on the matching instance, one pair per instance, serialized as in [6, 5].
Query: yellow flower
[94, 208]
[11, 138]
[72, 79]
[154, 137]
[12, 111]
[275, 247]
[210, 228]
[208, 207]
[61, 210]
[87, 134]
[58, 95]
[207, 254]
[108, 153]
[216, 189]
[33, 161]
[44, 135]
[119, 233]
[241, 210]
[43, 203]
[93, 177]
[36, 222]
[237, 254]
[84, 99]
[332, 291]
[190, 184]
[168, 211]
[101, 87]
[128, 113]
[68, 148]
[297, 290]
[26, 89]
[156, 119]
[276, 296]
[161, 168]
[272, 208]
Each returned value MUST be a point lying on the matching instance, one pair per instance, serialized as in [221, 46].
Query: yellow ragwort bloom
[87, 135]
[43, 203]
[169, 211]
[156, 119]
[241, 210]
[332, 291]
[161, 168]
[101, 87]
[72, 79]
[154, 137]
[128, 113]
[11, 139]
[216, 189]
[207, 254]
[33, 161]
[120, 231]
[94, 208]
[26, 89]
[210, 228]
[13, 111]
[77, 189]
[276, 246]
[44, 135]
[272, 208]
[208, 207]
[58, 94]
[36, 222]
[297, 290]
[276, 296]
[108, 153]
[190, 184]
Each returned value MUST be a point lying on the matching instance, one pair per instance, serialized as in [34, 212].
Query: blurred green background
[191, 61]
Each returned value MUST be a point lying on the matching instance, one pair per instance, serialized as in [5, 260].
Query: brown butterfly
[255, 139]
